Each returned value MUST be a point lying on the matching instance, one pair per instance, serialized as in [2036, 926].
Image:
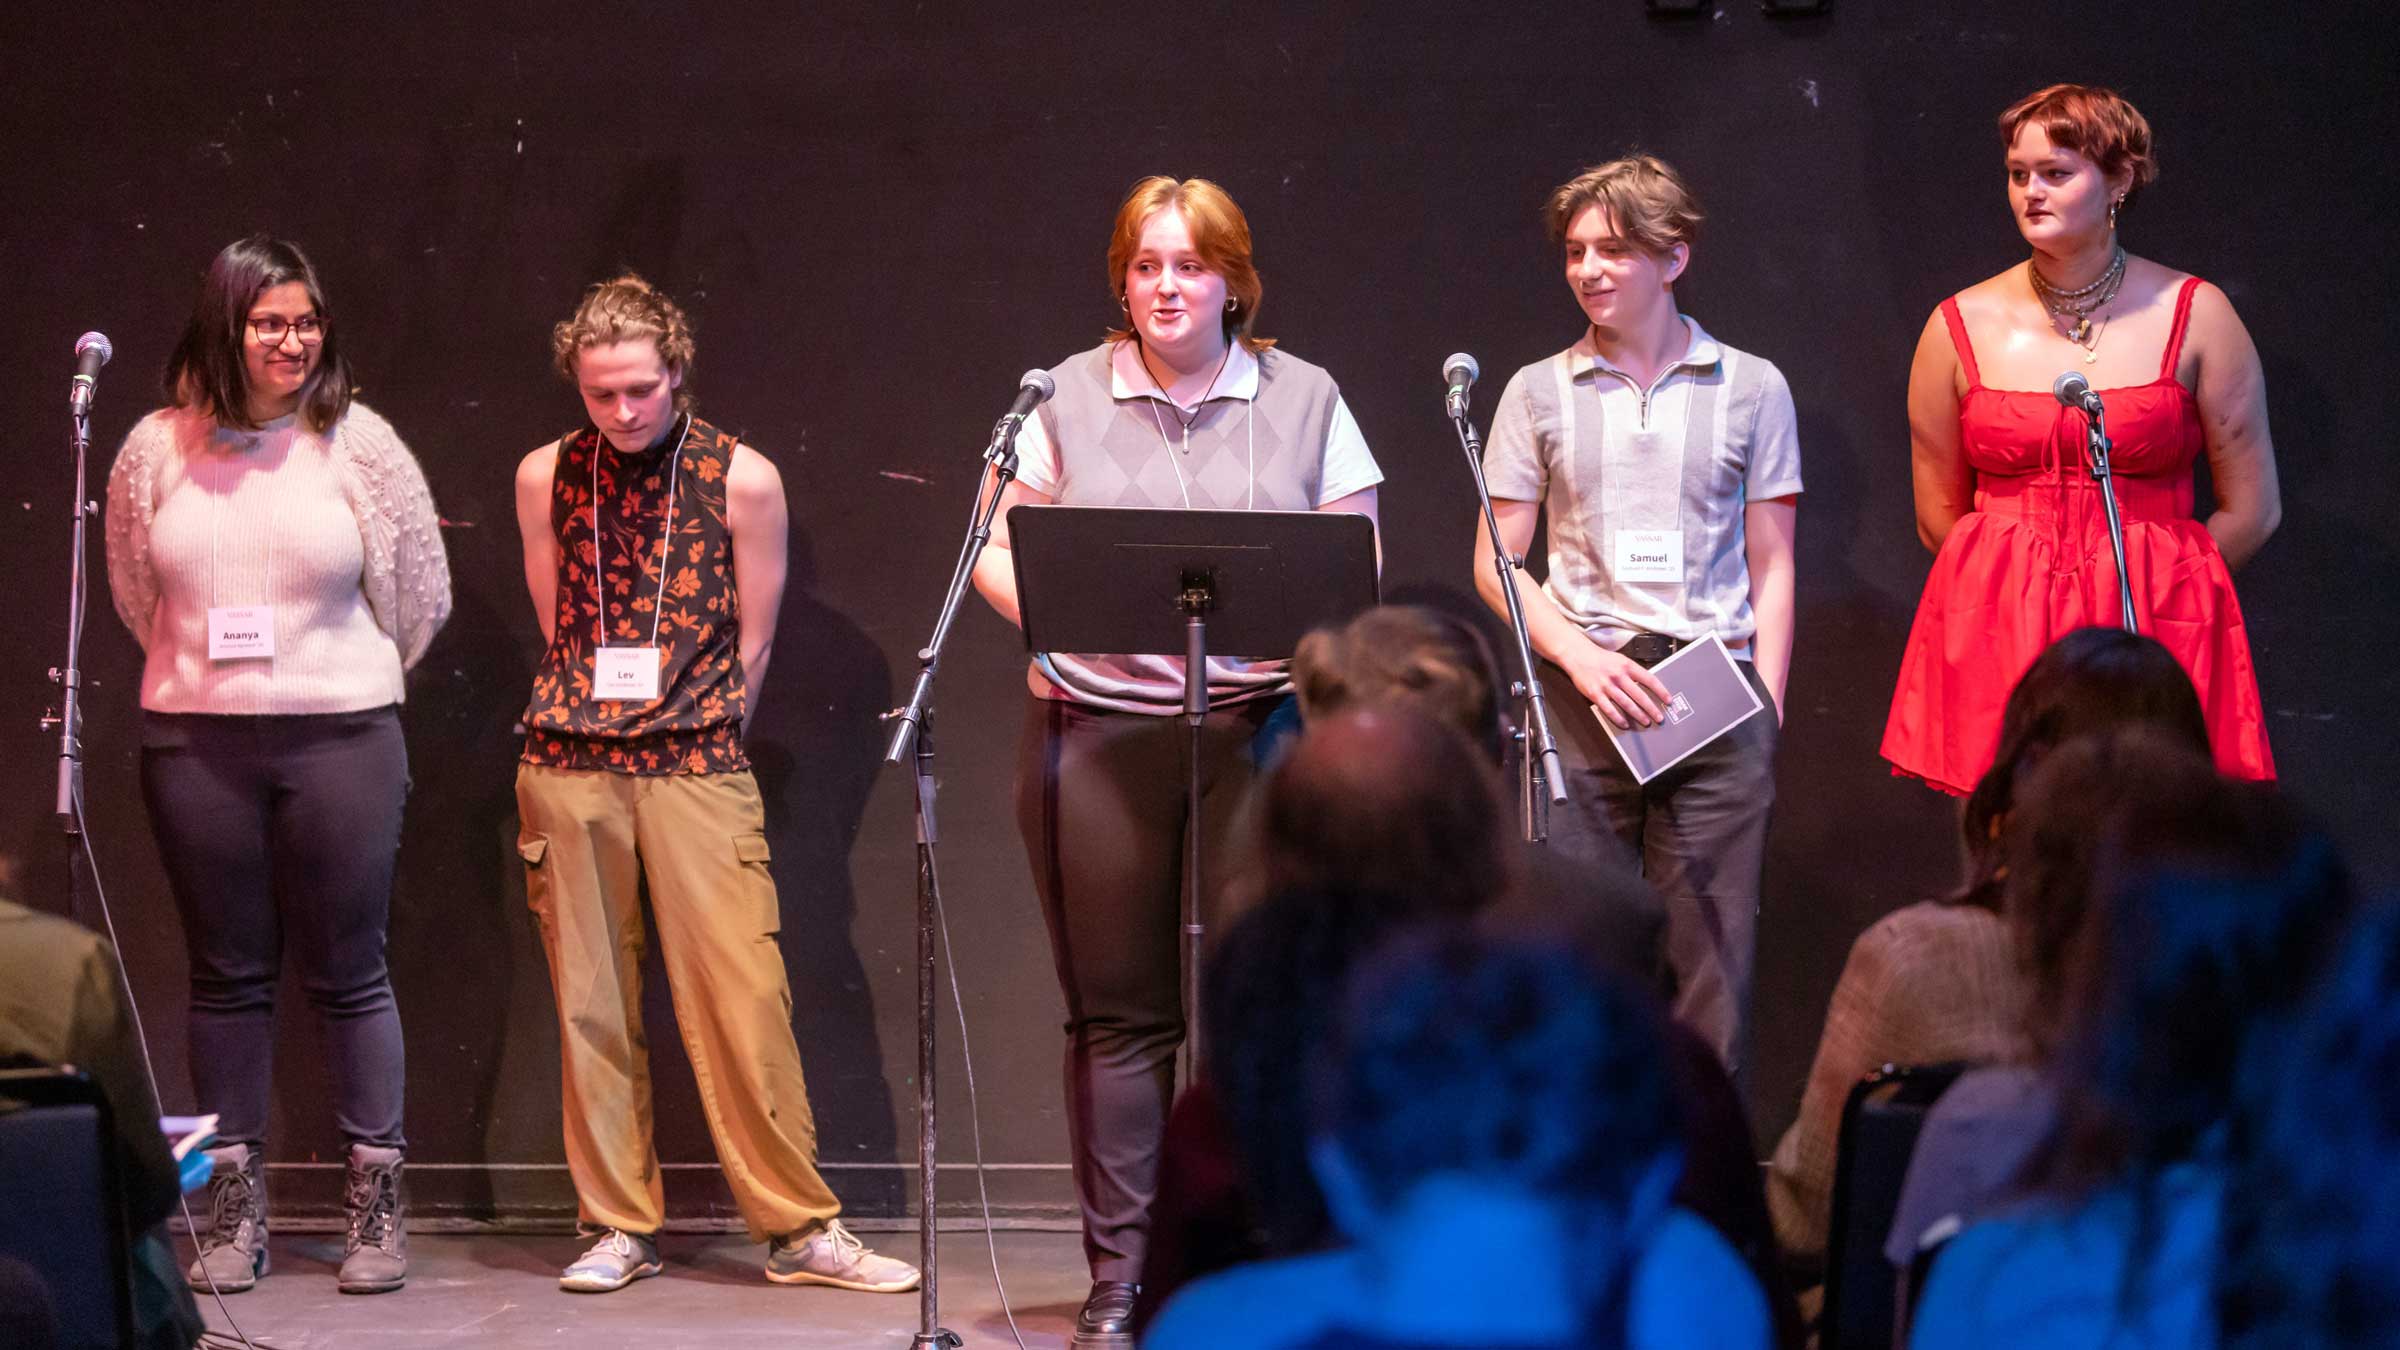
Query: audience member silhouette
[1939, 981]
[2311, 1248]
[2209, 927]
[1496, 1141]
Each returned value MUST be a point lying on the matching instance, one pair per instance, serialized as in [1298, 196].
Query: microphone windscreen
[97, 342]
[1461, 362]
[1040, 382]
[2070, 387]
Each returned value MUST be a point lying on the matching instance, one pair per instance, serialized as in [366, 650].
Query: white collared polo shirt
[1645, 488]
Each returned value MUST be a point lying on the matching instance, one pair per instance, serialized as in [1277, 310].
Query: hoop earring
[1233, 306]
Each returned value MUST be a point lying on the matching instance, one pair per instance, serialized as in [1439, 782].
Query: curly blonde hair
[626, 309]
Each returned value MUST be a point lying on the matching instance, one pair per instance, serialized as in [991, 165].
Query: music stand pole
[2099, 450]
[1542, 778]
[912, 739]
[1194, 601]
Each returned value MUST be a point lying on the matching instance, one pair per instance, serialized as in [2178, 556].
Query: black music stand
[1142, 581]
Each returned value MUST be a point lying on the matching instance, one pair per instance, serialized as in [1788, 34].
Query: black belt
[1648, 649]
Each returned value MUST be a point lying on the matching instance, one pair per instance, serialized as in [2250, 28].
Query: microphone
[2074, 391]
[91, 352]
[1459, 372]
[1033, 387]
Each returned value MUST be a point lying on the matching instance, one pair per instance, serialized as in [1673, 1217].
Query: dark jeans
[279, 827]
[1100, 801]
[1698, 832]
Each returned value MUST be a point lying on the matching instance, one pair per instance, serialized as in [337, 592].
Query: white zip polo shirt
[1645, 487]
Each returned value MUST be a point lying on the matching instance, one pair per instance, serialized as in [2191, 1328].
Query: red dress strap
[1964, 348]
[2183, 315]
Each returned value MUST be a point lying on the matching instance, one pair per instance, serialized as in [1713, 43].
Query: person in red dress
[2004, 495]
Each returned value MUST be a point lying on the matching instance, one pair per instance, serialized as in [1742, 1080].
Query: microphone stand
[912, 739]
[2099, 450]
[1541, 780]
[68, 719]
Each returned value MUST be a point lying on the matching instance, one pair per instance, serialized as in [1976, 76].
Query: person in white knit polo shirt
[274, 548]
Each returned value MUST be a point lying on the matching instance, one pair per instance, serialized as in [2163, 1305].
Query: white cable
[991, 1241]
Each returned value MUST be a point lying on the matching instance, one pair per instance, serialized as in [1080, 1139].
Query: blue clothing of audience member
[1688, 1288]
[1493, 1131]
[2072, 1277]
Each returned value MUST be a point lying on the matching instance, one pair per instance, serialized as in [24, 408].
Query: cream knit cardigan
[406, 577]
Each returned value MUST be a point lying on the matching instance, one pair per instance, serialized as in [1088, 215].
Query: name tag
[1649, 556]
[241, 632]
[625, 673]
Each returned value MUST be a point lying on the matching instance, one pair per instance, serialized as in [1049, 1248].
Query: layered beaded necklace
[2073, 310]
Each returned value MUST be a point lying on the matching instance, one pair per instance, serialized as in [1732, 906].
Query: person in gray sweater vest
[273, 547]
[1184, 407]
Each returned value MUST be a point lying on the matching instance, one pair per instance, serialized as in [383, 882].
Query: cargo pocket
[534, 849]
[751, 853]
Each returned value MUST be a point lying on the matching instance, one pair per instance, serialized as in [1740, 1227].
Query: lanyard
[666, 538]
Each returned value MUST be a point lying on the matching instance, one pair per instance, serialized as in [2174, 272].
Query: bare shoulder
[751, 478]
[535, 470]
[1992, 297]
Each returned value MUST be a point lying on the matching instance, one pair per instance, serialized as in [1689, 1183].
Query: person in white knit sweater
[274, 548]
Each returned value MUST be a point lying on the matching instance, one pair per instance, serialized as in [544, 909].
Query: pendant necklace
[2072, 310]
[1181, 419]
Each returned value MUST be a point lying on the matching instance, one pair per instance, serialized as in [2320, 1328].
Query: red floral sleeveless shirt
[620, 582]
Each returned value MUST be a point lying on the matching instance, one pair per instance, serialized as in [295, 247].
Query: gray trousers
[1698, 832]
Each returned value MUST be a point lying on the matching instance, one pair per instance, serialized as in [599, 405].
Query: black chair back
[62, 1212]
[1880, 1122]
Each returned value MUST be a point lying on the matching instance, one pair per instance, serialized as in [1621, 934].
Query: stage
[501, 1289]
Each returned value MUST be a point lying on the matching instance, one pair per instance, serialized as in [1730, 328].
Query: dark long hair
[207, 374]
[2053, 838]
[2312, 1202]
[2089, 681]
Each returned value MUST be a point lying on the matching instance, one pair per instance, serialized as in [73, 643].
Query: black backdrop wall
[880, 214]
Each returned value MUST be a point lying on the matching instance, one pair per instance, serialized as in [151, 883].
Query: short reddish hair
[1220, 235]
[2095, 123]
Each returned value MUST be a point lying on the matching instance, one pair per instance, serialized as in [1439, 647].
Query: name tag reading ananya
[241, 632]
[625, 673]
[1649, 556]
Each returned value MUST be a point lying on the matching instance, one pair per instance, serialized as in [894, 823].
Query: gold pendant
[2091, 356]
[2081, 331]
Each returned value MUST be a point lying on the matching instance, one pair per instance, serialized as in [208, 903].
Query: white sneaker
[832, 1256]
[616, 1260]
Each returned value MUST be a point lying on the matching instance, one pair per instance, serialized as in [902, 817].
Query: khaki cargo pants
[589, 838]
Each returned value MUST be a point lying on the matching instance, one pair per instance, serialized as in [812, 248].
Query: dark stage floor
[502, 1290]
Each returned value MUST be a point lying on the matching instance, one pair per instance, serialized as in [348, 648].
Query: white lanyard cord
[1251, 422]
[666, 538]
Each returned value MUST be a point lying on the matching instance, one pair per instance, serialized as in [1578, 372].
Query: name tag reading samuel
[241, 632]
[1649, 556]
[625, 673]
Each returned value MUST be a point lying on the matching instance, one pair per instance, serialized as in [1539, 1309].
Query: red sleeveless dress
[2032, 562]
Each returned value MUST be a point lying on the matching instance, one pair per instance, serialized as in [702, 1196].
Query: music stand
[1147, 581]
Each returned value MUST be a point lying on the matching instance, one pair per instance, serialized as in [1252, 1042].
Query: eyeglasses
[270, 329]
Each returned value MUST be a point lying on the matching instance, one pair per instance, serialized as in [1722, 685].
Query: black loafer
[1106, 1322]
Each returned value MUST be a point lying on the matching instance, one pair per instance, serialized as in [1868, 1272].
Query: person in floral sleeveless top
[654, 555]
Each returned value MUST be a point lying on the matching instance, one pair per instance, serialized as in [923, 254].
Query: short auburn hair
[1645, 198]
[627, 309]
[1220, 235]
[2098, 124]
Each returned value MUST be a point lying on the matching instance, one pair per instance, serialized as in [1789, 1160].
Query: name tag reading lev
[625, 673]
[241, 632]
[1650, 556]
